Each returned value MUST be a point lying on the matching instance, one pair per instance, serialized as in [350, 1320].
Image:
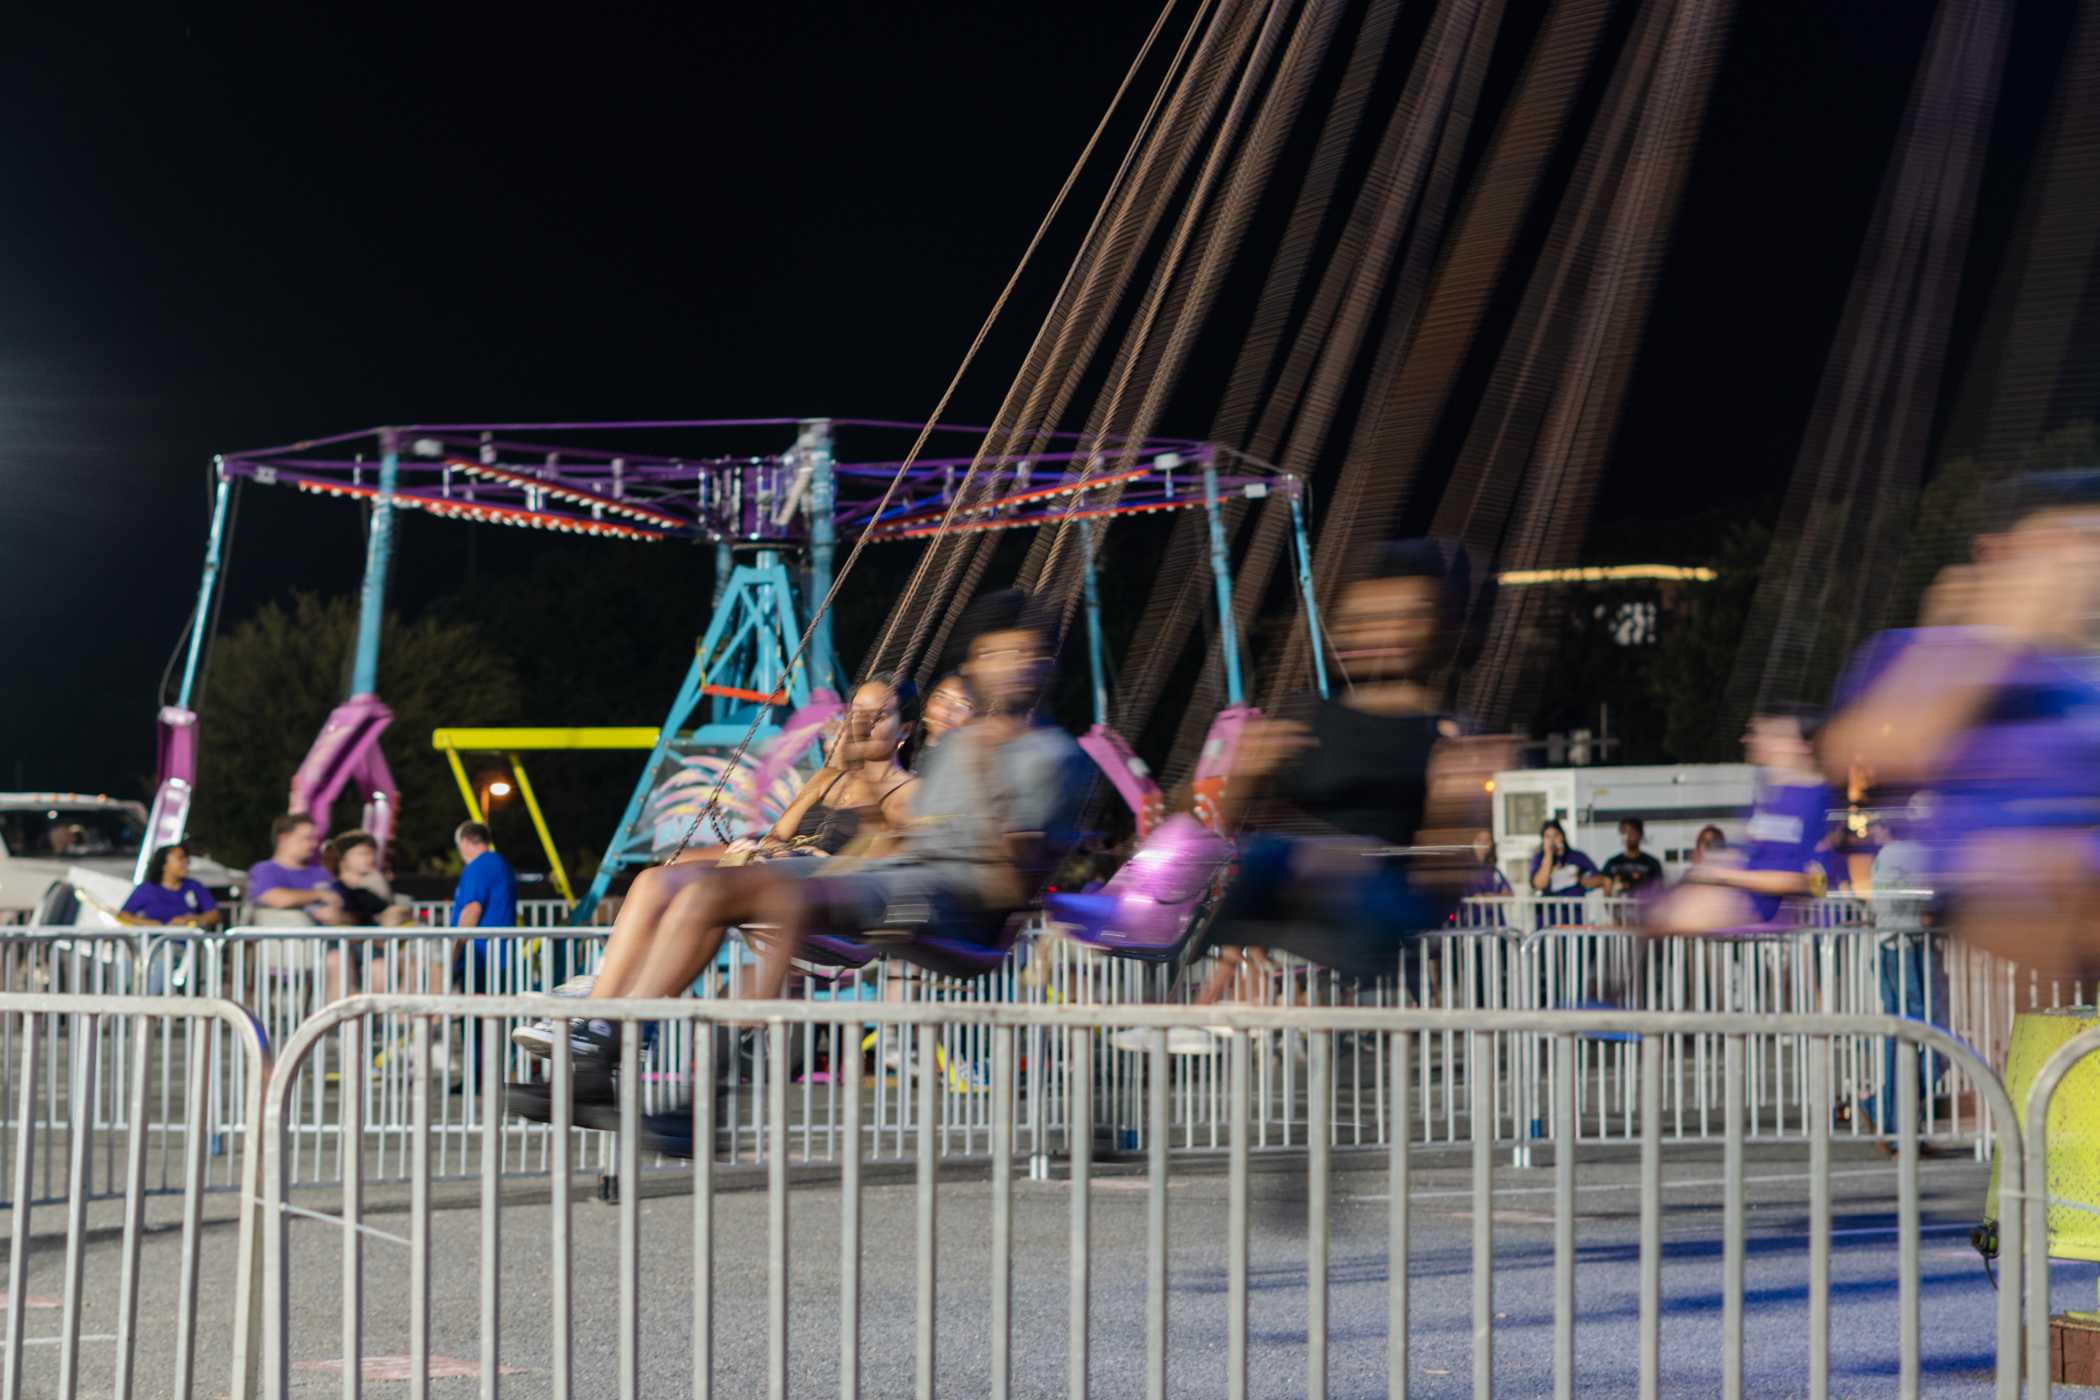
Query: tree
[1690, 672]
[1958, 503]
[275, 678]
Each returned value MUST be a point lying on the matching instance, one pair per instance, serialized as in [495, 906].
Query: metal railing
[288, 975]
[1008, 1030]
[122, 1087]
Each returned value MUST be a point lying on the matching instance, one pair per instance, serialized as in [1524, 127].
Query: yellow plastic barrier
[2074, 1126]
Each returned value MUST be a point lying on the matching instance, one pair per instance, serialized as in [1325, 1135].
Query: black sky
[222, 232]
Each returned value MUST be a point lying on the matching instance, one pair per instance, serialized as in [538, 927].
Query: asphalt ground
[1957, 1298]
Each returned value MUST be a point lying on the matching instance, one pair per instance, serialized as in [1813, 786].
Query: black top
[1366, 774]
[1633, 871]
[832, 829]
[363, 903]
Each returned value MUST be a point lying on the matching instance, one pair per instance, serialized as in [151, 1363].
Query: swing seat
[943, 956]
[1151, 909]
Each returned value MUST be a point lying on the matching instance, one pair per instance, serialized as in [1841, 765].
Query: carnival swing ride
[774, 522]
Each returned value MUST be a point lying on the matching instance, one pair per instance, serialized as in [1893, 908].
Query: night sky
[227, 232]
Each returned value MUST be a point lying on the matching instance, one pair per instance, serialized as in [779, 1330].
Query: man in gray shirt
[996, 811]
[1913, 975]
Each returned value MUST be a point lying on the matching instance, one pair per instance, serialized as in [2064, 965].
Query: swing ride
[774, 520]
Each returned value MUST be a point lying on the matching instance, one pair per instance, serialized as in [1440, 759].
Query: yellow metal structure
[510, 742]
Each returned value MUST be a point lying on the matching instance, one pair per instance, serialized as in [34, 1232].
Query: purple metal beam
[734, 497]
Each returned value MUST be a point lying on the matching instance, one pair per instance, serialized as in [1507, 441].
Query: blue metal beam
[748, 641]
[379, 551]
[201, 623]
[1221, 577]
[1305, 590]
[1094, 648]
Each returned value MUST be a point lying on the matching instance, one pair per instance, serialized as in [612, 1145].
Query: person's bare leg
[689, 934]
[1224, 973]
[640, 919]
[783, 908]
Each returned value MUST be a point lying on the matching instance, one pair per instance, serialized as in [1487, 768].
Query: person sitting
[291, 889]
[1726, 890]
[368, 902]
[353, 858]
[948, 707]
[864, 791]
[1386, 781]
[997, 810]
[169, 896]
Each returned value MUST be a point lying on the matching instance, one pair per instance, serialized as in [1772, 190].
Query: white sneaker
[1191, 1040]
[537, 1038]
[1181, 1040]
[1135, 1040]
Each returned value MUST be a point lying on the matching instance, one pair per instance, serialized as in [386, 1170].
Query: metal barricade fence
[111, 1110]
[287, 975]
[446, 1303]
[532, 913]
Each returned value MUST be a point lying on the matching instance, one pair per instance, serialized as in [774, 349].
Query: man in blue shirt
[486, 896]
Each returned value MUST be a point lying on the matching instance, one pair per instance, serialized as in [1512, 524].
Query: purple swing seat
[944, 956]
[1150, 910]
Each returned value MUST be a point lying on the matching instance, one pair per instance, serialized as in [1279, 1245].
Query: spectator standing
[1632, 870]
[486, 896]
[1559, 873]
[1913, 979]
[290, 889]
[1710, 839]
[1488, 879]
[169, 895]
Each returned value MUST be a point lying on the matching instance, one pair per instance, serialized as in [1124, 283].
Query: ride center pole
[201, 623]
[1221, 576]
[1305, 587]
[1093, 626]
[815, 449]
[379, 553]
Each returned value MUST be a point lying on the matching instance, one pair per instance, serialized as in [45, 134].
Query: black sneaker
[593, 1084]
[670, 1133]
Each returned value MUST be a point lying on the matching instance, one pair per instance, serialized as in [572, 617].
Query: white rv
[1673, 800]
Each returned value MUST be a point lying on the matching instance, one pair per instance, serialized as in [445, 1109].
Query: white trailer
[1673, 800]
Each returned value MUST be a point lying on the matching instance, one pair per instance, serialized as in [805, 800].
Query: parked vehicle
[44, 836]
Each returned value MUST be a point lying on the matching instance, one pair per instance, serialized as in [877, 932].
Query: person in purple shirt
[169, 895]
[1559, 874]
[1991, 705]
[1488, 879]
[291, 887]
[1742, 887]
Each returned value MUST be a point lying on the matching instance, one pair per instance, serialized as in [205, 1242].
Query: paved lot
[1957, 1296]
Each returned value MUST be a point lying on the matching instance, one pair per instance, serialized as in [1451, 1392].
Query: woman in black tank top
[864, 788]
